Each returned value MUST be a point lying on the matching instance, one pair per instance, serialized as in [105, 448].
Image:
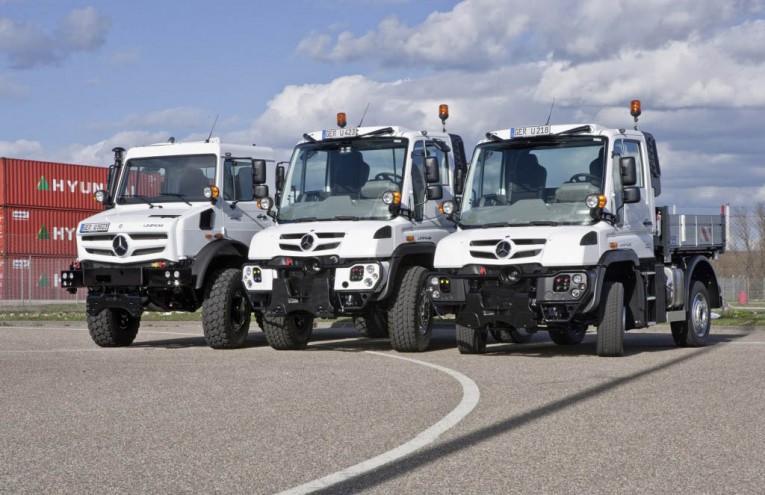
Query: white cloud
[484, 33]
[22, 149]
[28, 45]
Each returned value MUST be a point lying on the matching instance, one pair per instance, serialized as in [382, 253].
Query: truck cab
[176, 229]
[358, 221]
[559, 230]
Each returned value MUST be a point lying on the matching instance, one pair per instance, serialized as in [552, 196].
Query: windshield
[533, 182]
[167, 179]
[342, 180]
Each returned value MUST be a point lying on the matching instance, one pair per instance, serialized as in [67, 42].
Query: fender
[607, 259]
[698, 267]
[401, 253]
[223, 247]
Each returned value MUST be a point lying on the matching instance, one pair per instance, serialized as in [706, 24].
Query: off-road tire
[694, 330]
[226, 310]
[570, 335]
[511, 335]
[373, 325]
[113, 327]
[610, 341]
[288, 333]
[470, 340]
[410, 317]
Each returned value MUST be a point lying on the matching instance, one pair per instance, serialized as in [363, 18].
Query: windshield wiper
[142, 198]
[346, 217]
[544, 223]
[176, 195]
[300, 220]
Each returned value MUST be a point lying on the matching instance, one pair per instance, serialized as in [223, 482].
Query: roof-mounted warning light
[443, 114]
[341, 120]
[635, 111]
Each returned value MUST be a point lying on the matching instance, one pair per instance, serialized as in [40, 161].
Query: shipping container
[50, 185]
[39, 231]
[26, 279]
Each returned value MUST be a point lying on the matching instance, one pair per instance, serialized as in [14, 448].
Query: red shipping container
[34, 278]
[50, 185]
[39, 231]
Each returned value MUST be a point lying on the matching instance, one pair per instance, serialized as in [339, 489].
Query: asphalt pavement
[170, 415]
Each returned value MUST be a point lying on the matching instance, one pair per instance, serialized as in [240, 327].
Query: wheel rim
[699, 315]
[423, 314]
[238, 310]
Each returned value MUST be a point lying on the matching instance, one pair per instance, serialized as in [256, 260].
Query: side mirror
[431, 170]
[628, 170]
[459, 181]
[258, 171]
[435, 192]
[631, 195]
[260, 191]
[279, 178]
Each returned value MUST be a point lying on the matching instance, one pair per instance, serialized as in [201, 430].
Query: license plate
[94, 227]
[537, 130]
[339, 133]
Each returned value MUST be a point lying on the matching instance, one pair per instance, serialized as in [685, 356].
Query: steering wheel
[582, 177]
[388, 176]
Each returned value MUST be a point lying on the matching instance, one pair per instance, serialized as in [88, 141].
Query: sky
[78, 78]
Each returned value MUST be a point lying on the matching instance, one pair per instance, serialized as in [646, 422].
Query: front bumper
[526, 296]
[146, 277]
[320, 291]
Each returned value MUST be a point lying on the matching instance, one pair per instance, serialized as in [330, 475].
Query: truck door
[241, 215]
[636, 219]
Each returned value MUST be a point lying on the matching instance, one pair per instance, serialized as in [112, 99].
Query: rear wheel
[288, 332]
[572, 334]
[113, 327]
[612, 321]
[373, 324]
[511, 335]
[410, 317]
[470, 340]
[694, 330]
[226, 311]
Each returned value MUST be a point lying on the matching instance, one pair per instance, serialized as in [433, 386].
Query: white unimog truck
[559, 229]
[358, 222]
[176, 230]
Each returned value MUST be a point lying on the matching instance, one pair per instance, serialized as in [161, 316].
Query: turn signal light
[341, 120]
[211, 192]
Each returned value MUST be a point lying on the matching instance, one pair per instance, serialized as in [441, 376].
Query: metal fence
[34, 280]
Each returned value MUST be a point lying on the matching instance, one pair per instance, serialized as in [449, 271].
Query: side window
[632, 148]
[443, 162]
[418, 178]
[237, 180]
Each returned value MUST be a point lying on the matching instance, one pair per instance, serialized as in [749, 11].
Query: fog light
[577, 278]
[436, 294]
[167, 274]
[176, 274]
[575, 293]
[434, 281]
[368, 282]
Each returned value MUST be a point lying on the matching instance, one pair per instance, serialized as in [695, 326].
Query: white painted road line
[470, 397]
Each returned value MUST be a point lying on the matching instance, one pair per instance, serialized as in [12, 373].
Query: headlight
[391, 197]
[447, 207]
[100, 196]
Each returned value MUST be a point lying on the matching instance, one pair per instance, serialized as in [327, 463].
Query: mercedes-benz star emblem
[120, 245]
[503, 249]
[306, 242]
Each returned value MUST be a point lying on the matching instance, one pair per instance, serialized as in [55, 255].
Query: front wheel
[470, 340]
[572, 334]
[511, 335]
[113, 327]
[373, 324]
[694, 330]
[288, 333]
[410, 317]
[612, 321]
[226, 311]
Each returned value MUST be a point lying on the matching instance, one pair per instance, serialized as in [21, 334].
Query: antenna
[550, 115]
[362, 117]
[211, 130]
